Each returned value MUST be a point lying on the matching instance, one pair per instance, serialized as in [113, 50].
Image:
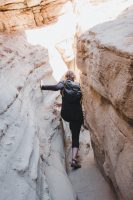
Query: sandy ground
[88, 183]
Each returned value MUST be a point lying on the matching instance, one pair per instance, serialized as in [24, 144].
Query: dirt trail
[88, 182]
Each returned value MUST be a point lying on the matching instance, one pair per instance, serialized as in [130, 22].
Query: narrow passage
[88, 183]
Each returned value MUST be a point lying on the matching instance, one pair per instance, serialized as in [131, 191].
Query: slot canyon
[41, 40]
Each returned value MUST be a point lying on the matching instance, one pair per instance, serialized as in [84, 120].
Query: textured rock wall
[66, 49]
[105, 58]
[23, 14]
[31, 140]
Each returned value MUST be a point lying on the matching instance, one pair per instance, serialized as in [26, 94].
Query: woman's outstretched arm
[58, 86]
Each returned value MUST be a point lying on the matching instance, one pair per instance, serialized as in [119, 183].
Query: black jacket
[69, 112]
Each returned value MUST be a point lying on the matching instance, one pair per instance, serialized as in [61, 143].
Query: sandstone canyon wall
[23, 14]
[105, 59]
[31, 140]
[33, 160]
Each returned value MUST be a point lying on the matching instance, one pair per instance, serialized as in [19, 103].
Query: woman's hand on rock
[41, 84]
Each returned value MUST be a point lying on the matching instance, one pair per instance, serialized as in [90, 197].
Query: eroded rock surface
[66, 49]
[23, 14]
[105, 58]
[31, 142]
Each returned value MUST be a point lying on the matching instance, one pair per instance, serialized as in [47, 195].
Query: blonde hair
[70, 75]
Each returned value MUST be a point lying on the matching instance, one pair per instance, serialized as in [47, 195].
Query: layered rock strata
[31, 140]
[105, 58]
[23, 14]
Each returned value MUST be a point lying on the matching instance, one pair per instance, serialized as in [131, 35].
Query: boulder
[105, 59]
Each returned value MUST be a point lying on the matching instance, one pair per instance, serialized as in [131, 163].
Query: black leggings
[75, 127]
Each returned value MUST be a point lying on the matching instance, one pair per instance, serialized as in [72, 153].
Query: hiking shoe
[75, 164]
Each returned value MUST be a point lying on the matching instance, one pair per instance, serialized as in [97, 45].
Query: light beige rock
[18, 15]
[31, 138]
[66, 49]
[105, 57]
[32, 3]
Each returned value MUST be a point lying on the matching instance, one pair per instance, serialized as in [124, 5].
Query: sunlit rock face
[31, 140]
[66, 49]
[23, 14]
[105, 58]
[90, 13]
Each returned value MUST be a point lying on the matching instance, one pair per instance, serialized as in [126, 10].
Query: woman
[71, 110]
